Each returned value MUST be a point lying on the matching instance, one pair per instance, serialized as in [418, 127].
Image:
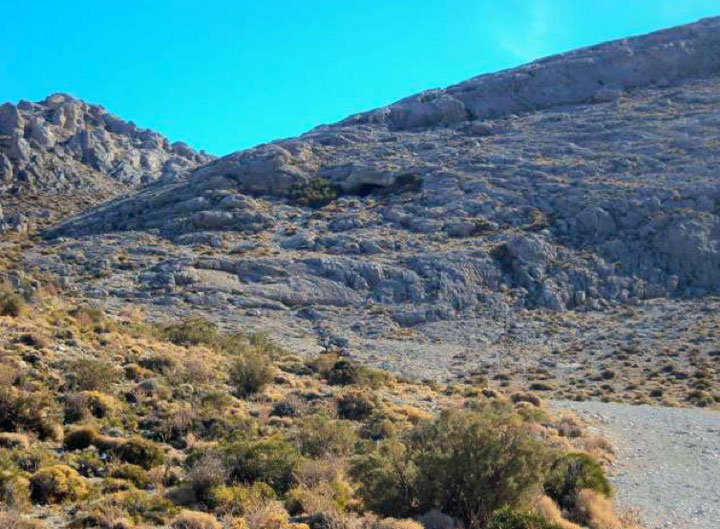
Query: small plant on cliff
[316, 193]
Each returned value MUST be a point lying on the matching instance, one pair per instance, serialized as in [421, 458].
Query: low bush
[195, 520]
[36, 411]
[355, 405]
[14, 440]
[320, 436]
[139, 451]
[82, 405]
[290, 407]
[10, 303]
[595, 511]
[35, 340]
[571, 473]
[141, 506]
[343, 372]
[158, 363]
[108, 443]
[466, 464]
[91, 374]
[327, 496]
[14, 490]
[270, 515]
[317, 192]
[271, 461]
[135, 474]
[101, 518]
[92, 319]
[80, 438]
[378, 426]
[191, 331]
[237, 500]
[508, 518]
[552, 513]
[207, 473]
[57, 484]
[250, 372]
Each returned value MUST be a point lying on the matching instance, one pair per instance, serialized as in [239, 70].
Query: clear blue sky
[228, 74]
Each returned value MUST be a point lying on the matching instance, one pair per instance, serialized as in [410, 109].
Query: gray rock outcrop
[62, 144]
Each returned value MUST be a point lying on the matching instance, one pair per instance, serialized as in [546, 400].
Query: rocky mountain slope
[515, 216]
[63, 144]
[65, 147]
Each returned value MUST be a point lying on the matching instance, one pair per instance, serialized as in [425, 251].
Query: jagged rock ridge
[63, 144]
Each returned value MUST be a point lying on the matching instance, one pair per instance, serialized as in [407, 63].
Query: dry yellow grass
[597, 510]
[551, 511]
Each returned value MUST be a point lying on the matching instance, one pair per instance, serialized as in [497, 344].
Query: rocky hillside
[63, 146]
[456, 229]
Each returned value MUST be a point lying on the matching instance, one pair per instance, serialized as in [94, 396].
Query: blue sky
[224, 75]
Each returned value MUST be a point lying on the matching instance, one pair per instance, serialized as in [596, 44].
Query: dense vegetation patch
[315, 193]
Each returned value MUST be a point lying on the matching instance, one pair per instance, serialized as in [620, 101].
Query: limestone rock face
[268, 169]
[63, 144]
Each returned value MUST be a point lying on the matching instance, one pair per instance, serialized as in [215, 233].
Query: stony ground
[668, 461]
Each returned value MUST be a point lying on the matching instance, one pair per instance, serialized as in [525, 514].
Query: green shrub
[271, 461]
[237, 500]
[158, 363]
[91, 374]
[195, 520]
[139, 451]
[316, 193]
[320, 436]
[14, 490]
[151, 508]
[79, 406]
[378, 426]
[10, 303]
[322, 363]
[93, 319]
[343, 372]
[36, 411]
[508, 518]
[132, 473]
[387, 479]
[261, 342]
[57, 484]
[355, 405]
[206, 473]
[250, 372]
[191, 331]
[571, 473]
[463, 463]
[80, 438]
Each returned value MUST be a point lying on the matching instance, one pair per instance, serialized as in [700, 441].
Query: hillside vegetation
[111, 422]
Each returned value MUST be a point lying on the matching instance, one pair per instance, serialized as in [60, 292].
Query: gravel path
[668, 461]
